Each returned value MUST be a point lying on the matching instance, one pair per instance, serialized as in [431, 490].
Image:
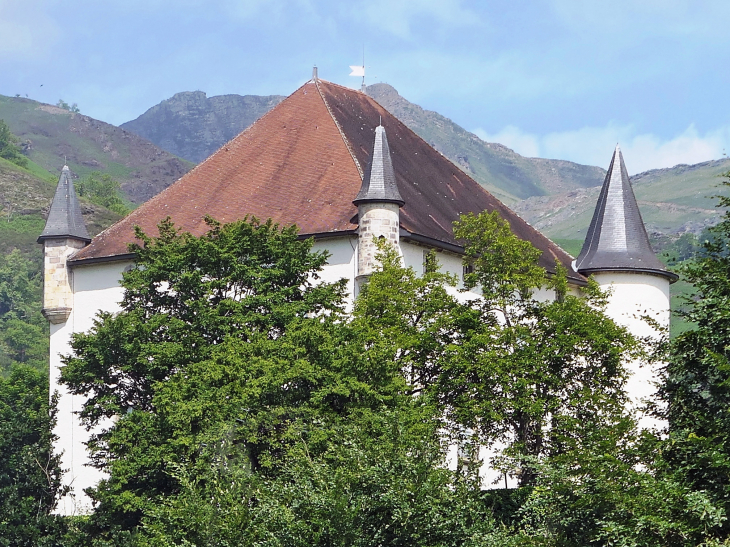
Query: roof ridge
[514, 218]
[342, 86]
[339, 128]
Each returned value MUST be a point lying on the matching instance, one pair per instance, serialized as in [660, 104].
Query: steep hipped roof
[379, 183]
[64, 217]
[617, 239]
[303, 163]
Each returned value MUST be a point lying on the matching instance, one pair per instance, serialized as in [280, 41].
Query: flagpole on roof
[360, 70]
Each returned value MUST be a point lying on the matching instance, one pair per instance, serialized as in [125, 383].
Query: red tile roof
[302, 163]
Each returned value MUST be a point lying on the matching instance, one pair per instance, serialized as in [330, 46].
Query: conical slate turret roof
[379, 184]
[64, 217]
[617, 239]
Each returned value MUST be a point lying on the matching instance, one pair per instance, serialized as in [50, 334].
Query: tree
[9, 148]
[546, 376]
[249, 408]
[696, 387]
[615, 495]
[71, 108]
[23, 330]
[506, 367]
[189, 303]
[380, 480]
[30, 474]
[102, 189]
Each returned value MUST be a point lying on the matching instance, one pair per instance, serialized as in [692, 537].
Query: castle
[334, 162]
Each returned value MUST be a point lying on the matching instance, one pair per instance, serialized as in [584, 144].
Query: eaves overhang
[671, 276]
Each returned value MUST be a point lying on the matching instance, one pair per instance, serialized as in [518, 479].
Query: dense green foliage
[696, 391]
[23, 330]
[30, 476]
[102, 189]
[250, 409]
[9, 148]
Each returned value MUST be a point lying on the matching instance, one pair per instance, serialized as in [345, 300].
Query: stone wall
[57, 282]
[377, 220]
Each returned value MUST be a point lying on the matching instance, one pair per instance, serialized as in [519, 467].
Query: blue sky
[561, 79]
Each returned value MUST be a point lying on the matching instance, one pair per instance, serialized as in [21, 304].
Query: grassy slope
[26, 195]
[56, 135]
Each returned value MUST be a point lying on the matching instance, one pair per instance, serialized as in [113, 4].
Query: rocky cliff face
[193, 126]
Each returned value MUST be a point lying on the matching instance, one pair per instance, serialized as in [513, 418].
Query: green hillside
[672, 201]
[25, 196]
[51, 136]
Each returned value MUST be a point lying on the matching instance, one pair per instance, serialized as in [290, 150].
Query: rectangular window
[430, 264]
[467, 269]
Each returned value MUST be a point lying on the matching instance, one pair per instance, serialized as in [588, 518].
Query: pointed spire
[64, 217]
[379, 184]
[617, 238]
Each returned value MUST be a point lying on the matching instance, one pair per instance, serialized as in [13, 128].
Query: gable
[436, 192]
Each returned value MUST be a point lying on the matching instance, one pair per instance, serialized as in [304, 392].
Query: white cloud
[514, 138]
[594, 145]
[399, 16]
[26, 30]
[626, 21]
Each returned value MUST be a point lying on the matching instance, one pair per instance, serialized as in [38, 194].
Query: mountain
[502, 171]
[556, 196]
[52, 135]
[672, 201]
[193, 126]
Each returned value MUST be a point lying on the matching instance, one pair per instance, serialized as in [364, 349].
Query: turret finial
[379, 183]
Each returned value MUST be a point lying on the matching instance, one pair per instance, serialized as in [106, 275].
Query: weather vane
[360, 70]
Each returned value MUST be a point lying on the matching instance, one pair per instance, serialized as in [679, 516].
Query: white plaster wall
[93, 288]
[342, 263]
[96, 287]
[413, 256]
[634, 295]
[451, 263]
